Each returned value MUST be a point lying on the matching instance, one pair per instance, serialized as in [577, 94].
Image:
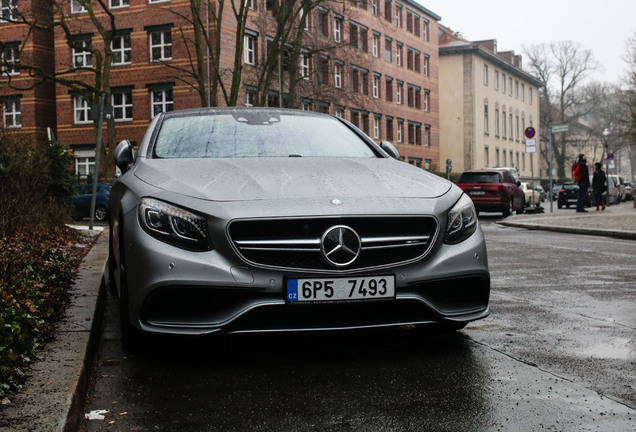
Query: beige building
[486, 103]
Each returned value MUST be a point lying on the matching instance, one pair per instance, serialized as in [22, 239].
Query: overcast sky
[601, 26]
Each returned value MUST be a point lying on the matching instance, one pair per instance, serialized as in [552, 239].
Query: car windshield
[257, 134]
[479, 177]
[571, 187]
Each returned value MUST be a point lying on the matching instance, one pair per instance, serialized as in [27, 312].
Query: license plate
[477, 193]
[340, 289]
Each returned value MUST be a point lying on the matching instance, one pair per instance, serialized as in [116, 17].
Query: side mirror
[124, 155]
[389, 149]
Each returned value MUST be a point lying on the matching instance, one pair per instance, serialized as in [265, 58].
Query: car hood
[242, 179]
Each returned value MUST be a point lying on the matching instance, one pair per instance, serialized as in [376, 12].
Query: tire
[130, 336]
[101, 213]
[508, 210]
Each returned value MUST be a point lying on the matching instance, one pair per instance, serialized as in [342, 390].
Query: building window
[323, 22]
[427, 136]
[161, 101]
[398, 15]
[337, 75]
[427, 101]
[305, 60]
[249, 49]
[496, 80]
[503, 125]
[358, 37]
[486, 120]
[485, 74]
[359, 80]
[250, 4]
[337, 29]
[339, 112]
[389, 90]
[119, 3]
[122, 52]
[510, 86]
[523, 92]
[12, 112]
[400, 130]
[510, 126]
[486, 157]
[8, 9]
[376, 86]
[530, 88]
[10, 58]
[84, 166]
[503, 83]
[160, 45]
[250, 97]
[398, 54]
[398, 94]
[425, 30]
[82, 56]
[376, 42]
[77, 7]
[387, 10]
[322, 69]
[497, 164]
[516, 89]
[496, 121]
[412, 59]
[388, 47]
[81, 110]
[517, 127]
[376, 127]
[389, 129]
[122, 105]
[426, 69]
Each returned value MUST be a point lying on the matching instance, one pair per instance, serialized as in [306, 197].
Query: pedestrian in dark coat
[599, 186]
[582, 177]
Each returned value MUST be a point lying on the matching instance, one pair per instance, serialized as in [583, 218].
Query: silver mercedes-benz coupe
[237, 220]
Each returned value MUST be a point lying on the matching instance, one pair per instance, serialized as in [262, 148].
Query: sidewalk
[615, 221]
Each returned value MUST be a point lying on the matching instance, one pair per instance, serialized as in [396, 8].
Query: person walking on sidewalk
[598, 185]
[581, 176]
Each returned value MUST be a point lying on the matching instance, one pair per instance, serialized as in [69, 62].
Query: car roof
[241, 110]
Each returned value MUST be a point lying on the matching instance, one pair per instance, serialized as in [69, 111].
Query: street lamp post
[606, 134]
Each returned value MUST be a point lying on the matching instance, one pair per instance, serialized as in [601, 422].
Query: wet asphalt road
[558, 353]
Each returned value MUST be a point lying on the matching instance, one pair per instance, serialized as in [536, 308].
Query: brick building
[26, 107]
[373, 62]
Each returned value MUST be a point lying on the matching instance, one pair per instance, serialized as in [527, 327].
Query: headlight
[174, 225]
[462, 221]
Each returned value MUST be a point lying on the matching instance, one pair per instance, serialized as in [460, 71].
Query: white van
[616, 189]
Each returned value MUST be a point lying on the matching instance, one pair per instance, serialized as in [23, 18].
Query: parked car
[568, 196]
[629, 191]
[82, 202]
[616, 190]
[532, 196]
[234, 220]
[494, 190]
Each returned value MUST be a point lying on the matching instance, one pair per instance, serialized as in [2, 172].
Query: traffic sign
[560, 128]
[610, 156]
[530, 132]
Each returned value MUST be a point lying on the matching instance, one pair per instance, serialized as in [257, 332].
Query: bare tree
[562, 67]
[92, 82]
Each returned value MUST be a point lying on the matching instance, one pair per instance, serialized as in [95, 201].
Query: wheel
[508, 210]
[560, 205]
[130, 336]
[101, 213]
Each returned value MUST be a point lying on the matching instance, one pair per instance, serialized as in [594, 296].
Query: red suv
[494, 190]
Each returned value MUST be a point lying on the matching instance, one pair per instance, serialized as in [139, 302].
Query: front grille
[295, 244]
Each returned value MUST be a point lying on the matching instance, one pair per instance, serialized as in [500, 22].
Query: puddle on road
[617, 348]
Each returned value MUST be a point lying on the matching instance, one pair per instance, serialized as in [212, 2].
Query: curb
[53, 397]
[621, 234]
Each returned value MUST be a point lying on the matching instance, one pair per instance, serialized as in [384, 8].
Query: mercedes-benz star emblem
[340, 245]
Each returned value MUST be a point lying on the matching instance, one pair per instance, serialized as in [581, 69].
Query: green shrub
[37, 256]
